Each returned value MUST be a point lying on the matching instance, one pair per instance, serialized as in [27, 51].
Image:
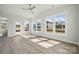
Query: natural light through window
[56, 23]
[49, 21]
[60, 23]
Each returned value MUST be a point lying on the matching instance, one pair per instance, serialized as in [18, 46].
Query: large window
[56, 23]
[60, 24]
[3, 26]
[27, 27]
[49, 21]
[38, 26]
[34, 27]
[17, 27]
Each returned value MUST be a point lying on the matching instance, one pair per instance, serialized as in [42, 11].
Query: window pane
[3, 25]
[27, 27]
[38, 26]
[49, 24]
[18, 28]
[34, 27]
[60, 23]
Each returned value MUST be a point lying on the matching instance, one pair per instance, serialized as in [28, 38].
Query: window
[34, 27]
[60, 24]
[49, 22]
[17, 27]
[38, 26]
[27, 27]
[3, 25]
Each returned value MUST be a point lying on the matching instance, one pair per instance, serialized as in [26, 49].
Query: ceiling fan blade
[29, 5]
[33, 7]
[30, 8]
[32, 12]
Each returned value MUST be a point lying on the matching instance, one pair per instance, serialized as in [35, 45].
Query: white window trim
[55, 33]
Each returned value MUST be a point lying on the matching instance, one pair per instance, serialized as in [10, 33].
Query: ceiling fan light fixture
[30, 8]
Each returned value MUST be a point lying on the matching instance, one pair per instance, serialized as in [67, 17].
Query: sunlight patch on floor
[28, 36]
[35, 40]
[49, 43]
[45, 44]
[53, 42]
[43, 38]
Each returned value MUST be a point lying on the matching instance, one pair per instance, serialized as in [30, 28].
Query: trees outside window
[17, 28]
[49, 21]
[27, 27]
[60, 24]
[34, 27]
[38, 26]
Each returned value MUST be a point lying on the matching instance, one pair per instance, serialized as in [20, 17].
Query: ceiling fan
[30, 8]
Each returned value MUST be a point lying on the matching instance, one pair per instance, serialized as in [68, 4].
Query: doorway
[3, 28]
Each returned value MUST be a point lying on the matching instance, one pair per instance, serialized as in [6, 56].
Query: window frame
[40, 26]
[52, 25]
[55, 33]
[25, 26]
[36, 23]
[59, 23]
[19, 28]
[34, 28]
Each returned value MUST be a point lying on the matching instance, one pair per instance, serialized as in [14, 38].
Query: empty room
[39, 28]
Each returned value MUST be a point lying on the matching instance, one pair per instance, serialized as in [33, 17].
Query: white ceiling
[16, 9]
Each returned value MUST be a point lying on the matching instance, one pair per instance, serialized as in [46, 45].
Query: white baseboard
[10, 35]
[57, 39]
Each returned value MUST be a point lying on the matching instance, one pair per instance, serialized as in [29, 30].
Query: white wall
[12, 19]
[78, 23]
[12, 31]
[71, 34]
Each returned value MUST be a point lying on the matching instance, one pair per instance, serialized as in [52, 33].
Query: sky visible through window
[58, 18]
